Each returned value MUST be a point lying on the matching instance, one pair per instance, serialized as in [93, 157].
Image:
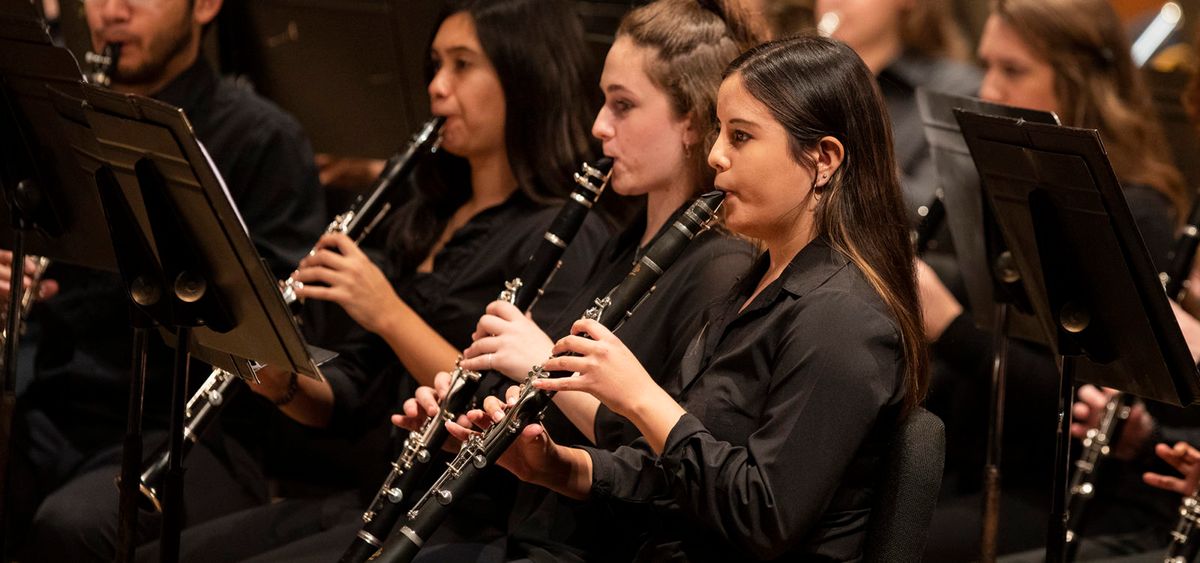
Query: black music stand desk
[1086, 271]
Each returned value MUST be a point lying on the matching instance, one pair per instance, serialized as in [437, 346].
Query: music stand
[50, 206]
[185, 255]
[1089, 278]
[994, 293]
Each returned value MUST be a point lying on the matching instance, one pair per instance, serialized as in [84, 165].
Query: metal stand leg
[172, 522]
[991, 470]
[1056, 529]
[131, 456]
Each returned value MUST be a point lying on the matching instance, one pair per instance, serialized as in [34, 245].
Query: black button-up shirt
[791, 404]
[545, 525]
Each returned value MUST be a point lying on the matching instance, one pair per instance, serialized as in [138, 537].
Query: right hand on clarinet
[533, 457]
[46, 290]
[1186, 460]
[507, 341]
[1088, 409]
[425, 404]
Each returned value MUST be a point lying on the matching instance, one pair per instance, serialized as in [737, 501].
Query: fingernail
[497, 416]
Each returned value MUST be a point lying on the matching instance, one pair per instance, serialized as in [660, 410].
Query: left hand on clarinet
[345, 275]
[603, 367]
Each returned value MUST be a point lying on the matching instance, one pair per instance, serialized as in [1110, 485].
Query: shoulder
[237, 104]
[846, 309]
[939, 74]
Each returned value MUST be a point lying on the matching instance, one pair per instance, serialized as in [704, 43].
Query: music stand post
[1089, 278]
[993, 286]
[193, 268]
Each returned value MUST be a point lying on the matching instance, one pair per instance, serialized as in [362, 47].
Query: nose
[717, 157]
[602, 128]
[439, 86]
[111, 11]
[990, 89]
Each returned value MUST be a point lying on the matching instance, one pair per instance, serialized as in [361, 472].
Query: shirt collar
[191, 87]
[812, 267]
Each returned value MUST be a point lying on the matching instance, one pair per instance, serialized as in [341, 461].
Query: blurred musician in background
[1070, 57]
[72, 418]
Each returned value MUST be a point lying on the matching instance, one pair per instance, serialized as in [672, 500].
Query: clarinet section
[665, 280]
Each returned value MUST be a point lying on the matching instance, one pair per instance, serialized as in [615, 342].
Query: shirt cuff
[603, 471]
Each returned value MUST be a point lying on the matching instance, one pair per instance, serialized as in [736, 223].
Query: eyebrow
[740, 121]
[457, 50]
[616, 88]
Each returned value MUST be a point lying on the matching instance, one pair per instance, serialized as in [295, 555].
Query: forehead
[1000, 40]
[625, 66]
[457, 32]
[735, 102]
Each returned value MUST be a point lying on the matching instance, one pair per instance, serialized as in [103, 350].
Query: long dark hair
[538, 51]
[817, 87]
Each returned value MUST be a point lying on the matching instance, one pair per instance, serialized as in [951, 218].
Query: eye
[620, 106]
[739, 137]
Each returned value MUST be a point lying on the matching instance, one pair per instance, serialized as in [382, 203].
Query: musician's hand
[340, 272]
[533, 457]
[47, 289]
[424, 404]
[506, 341]
[1088, 410]
[347, 172]
[938, 306]
[1190, 327]
[1185, 459]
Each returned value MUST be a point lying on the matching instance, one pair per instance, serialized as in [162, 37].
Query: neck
[660, 204]
[783, 249]
[880, 53]
[174, 67]
[492, 180]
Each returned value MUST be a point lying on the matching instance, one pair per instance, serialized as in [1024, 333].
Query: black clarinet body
[366, 212]
[483, 450]
[931, 223]
[396, 495]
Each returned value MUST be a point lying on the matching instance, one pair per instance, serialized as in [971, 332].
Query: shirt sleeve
[835, 371]
[280, 197]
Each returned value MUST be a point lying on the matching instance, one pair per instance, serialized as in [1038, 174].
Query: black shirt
[83, 359]
[468, 273]
[545, 525]
[898, 83]
[791, 404]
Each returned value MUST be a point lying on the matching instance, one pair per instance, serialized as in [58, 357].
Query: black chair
[904, 505]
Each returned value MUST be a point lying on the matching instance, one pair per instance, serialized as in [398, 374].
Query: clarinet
[522, 291]
[931, 222]
[483, 450]
[1097, 445]
[1184, 538]
[366, 212]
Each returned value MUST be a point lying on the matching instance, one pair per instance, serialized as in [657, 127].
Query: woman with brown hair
[1070, 57]
[791, 390]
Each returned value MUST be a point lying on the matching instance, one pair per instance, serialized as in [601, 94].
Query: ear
[691, 134]
[204, 11]
[829, 154]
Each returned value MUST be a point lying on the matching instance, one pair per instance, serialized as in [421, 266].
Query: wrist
[289, 391]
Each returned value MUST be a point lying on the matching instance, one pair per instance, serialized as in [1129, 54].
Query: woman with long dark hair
[792, 388]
